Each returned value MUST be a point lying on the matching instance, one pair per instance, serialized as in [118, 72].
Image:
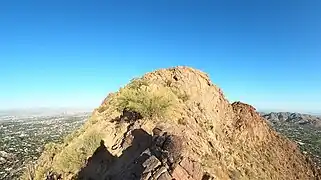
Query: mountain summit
[173, 124]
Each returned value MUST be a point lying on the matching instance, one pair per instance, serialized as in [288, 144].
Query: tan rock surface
[218, 140]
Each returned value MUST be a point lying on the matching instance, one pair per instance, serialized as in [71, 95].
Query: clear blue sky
[72, 53]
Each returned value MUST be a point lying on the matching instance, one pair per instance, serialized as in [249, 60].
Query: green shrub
[101, 109]
[91, 142]
[70, 160]
[181, 95]
[68, 138]
[73, 157]
[29, 172]
[182, 121]
[137, 83]
[40, 172]
[52, 148]
[137, 97]
[168, 82]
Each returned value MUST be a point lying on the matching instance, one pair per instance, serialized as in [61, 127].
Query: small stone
[159, 141]
[147, 152]
[193, 168]
[180, 174]
[173, 145]
[207, 176]
[146, 176]
[2, 160]
[164, 176]
[159, 172]
[151, 163]
[157, 131]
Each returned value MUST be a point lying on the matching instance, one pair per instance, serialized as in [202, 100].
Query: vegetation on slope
[308, 138]
[68, 158]
[231, 141]
[138, 97]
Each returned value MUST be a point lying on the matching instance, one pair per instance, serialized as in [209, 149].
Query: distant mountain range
[293, 118]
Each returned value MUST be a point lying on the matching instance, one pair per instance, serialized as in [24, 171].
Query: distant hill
[304, 129]
[173, 124]
[294, 118]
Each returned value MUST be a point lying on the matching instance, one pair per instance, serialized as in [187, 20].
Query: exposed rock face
[158, 159]
[203, 137]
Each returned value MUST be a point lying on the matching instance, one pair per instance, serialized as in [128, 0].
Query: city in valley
[23, 135]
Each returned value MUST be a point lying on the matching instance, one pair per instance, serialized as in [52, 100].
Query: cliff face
[174, 124]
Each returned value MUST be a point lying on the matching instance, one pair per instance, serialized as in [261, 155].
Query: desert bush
[181, 95]
[73, 157]
[51, 148]
[41, 173]
[168, 82]
[91, 142]
[182, 121]
[38, 171]
[137, 97]
[137, 83]
[70, 160]
[101, 109]
[29, 172]
[68, 138]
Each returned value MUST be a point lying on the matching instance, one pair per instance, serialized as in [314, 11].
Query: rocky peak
[175, 124]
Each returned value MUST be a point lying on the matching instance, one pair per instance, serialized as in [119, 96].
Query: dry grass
[138, 97]
[181, 121]
[73, 157]
[181, 95]
[29, 173]
[43, 166]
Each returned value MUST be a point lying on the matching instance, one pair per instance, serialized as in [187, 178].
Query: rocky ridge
[203, 136]
[294, 118]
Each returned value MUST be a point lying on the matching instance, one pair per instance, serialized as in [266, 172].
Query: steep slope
[174, 124]
[302, 128]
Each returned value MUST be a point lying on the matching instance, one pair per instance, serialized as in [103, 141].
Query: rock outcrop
[201, 137]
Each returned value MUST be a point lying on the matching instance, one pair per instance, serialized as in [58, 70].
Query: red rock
[165, 176]
[192, 168]
[180, 174]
